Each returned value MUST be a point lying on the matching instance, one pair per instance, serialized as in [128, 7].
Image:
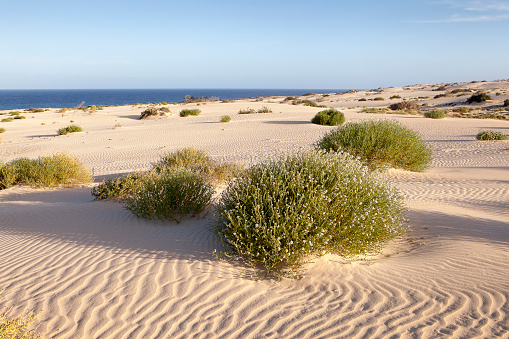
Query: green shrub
[363, 99]
[375, 110]
[247, 111]
[456, 91]
[226, 118]
[379, 99]
[20, 117]
[9, 119]
[478, 97]
[117, 188]
[380, 144]
[69, 129]
[309, 103]
[46, 171]
[17, 327]
[170, 195]
[329, 117]
[506, 103]
[395, 97]
[14, 113]
[435, 114]
[2, 130]
[404, 105]
[282, 210]
[264, 109]
[187, 112]
[491, 135]
[153, 111]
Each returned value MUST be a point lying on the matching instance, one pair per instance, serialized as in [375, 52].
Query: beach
[94, 270]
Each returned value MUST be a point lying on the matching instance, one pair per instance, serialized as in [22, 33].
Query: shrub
[9, 119]
[435, 114]
[329, 117]
[363, 99]
[69, 129]
[2, 130]
[117, 188]
[264, 109]
[170, 195]
[20, 117]
[198, 161]
[380, 144]
[309, 103]
[456, 91]
[395, 97]
[478, 97]
[404, 105]
[506, 103]
[226, 118]
[379, 99]
[282, 210]
[187, 112]
[46, 171]
[153, 111]
[17, 327]
[247, 111]
[491, 135]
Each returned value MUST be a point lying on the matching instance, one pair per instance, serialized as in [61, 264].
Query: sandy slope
[97, 271]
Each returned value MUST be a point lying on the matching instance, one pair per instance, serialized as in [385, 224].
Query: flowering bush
[282, 210]
[380, 144]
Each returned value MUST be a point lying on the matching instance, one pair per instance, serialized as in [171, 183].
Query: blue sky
[250, 44]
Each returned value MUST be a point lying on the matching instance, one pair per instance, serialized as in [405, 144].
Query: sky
[333, 44]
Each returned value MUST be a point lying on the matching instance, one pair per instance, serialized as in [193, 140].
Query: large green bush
[329, 117]
[282, 210]
[478, 97]
[404, 105]
[170, 195]
[46, 171]
[380, 144]
[491, 135]
[69, 129]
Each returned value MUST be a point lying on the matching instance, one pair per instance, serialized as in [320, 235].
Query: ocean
[45, 98]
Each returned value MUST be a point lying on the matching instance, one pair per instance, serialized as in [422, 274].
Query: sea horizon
[59, 98]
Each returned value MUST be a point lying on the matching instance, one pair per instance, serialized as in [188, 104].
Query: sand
[97, 271]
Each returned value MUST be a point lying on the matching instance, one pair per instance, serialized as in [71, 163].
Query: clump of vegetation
[118, 188]
[190, 99]
[363, 99]
[380, 144]
[478, 97]
[18, 327]
[491, 135]
[9, 119]
[46, 171]
[154, 112]
[395, 97]
[170, 195]
[226, 118]
[2, 130]
[456, 91]
[329, 117]
[435, 114]
[20, 117]
[188, 112]
[375, 110]
[309, 94]
[264, 109]
[35, 110]
[247, 111]
[69, 129]
[379, 99]
[404, 105]
[506, 103]
[312, 203]
[305, 102]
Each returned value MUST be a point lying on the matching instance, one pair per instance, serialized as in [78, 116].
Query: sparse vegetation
[380, 144]
[188, 112]
[9, 119]
[69, 129]
[404, 105]
[478, 98]
[226, 118]
[46, 171]
[379, 99]
[154, 112]
[329, 117]
[285, 209]
[2, 130]
[18, 327]
[264, 109]
[435, 114]
[247, 111]
[395, 97]
[506, 103]
[491, 135]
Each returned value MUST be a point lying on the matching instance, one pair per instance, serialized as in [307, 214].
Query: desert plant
[247, 111]
[46, 171]
[435, 114]
[9, 119]
[282, 210]
[188, 112]
[153, 111]
[506, 103]
[264, 109]
[404, 105]
[490, 135]
[20, 117]
[329, 117]
[478, 97]
[379, 144]
[226, 118]
[69, 129]
[379, 99]
[395, 97]
[309, 103]
[2, 130]
[363, 99]
[18, 327]
[170, 195]
[118, 188]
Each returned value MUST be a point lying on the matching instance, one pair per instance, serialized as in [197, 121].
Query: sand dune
[97, 271]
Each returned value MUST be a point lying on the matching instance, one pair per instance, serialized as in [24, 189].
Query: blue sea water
[21, 99]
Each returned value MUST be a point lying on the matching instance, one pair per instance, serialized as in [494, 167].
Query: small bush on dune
[478, 97]
[380, 144]
[329, 117]
[491, 135]
[395, 97]
[9, 119]
[226, 118]
[117, 188]
[247, 111]
[153, 111]
[404, 105]
[282, 210]
[506, 103]
[188, 112]
[435, 114]
[69, 129]
[379, 99]
[170, 195]
[264, 109]
[46, 171]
